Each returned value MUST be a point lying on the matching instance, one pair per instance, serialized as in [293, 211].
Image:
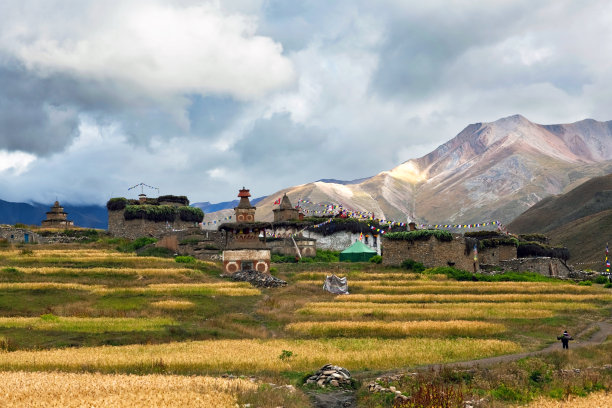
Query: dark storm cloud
[32, 118]
[422, 43]
[279, 143]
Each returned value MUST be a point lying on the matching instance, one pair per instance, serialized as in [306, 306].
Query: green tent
[358, 252]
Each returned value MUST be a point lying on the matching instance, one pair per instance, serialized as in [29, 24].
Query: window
[366, 240]
[247, 266]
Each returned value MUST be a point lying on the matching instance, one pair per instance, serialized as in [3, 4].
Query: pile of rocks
[330, 375]
[399, 396]
[255, 278]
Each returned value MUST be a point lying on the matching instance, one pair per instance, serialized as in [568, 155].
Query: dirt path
[343, 399]
[605, 330]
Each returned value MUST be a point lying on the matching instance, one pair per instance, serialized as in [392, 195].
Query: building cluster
[247, 244]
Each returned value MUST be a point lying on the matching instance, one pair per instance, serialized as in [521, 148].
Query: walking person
[565, 338]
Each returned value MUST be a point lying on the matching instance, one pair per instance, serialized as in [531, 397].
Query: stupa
[57, 218]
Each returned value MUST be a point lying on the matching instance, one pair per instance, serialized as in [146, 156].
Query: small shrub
[174, 199]
[324, 255]
[20, 225]
[191, 214]
[377, 259]
[413, 265]
[26, 252]
[601, 279]
[49, 317]
[211, 247]
[285, 355]
[585, 283]
[276, 258]
[116, 204]
[608, 285]
[184, 259]
[157, 213]
[420, 235]
[127, 246]
[157, 251]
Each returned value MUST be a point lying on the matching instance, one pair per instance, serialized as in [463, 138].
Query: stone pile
[330, 375]
[255, 278]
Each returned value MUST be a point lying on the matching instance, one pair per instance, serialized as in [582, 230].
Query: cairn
[330, 375]
[255, 278]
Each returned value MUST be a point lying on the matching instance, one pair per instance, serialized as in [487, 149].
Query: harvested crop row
[86, 324]
[475, 289]
[219, 288]
[173, 304]
[20, 389]
[427, 328]
[252, 356]
[50, 270]
[357, 276]
[455, 312]
[503, 297]
[76, 253]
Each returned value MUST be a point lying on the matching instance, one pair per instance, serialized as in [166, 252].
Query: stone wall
[495, 255]
[339, 241]
[553, 267]
[118, 226]
[18, 235]
[235, 260]
[431, 253]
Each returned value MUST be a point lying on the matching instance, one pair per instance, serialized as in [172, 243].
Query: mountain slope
[580, 219]
[489, 171]
[589, 198]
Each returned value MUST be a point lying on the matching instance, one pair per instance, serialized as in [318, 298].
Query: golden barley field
[256, 356]
[67, 390]
[69, 315]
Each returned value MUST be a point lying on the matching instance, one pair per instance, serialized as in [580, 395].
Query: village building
[245, 246]
[16, 235]
[339, 234]
[151, 217]
[57, 218]
[287, 237]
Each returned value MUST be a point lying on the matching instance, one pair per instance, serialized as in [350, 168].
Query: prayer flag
[277, 201]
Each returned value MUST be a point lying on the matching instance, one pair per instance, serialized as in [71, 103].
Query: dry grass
[320, 276]
[49, 286]
[24, 389]
[502, 297]
[49, 270]
[470, 311]
[216, 288]
[475, 288]
[253, 356]
[423, 328]
[173, 304]
[596, 400]
[87, 324]
[70, 253]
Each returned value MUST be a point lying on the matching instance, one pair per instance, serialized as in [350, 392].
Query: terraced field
[94, 309]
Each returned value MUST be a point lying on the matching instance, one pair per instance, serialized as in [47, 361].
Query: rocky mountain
[580, 219]
[489, 171]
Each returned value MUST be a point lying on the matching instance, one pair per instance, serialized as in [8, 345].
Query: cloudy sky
[202, 97]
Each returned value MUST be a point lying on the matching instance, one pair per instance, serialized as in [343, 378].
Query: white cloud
[15, 163]
[152, 47]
